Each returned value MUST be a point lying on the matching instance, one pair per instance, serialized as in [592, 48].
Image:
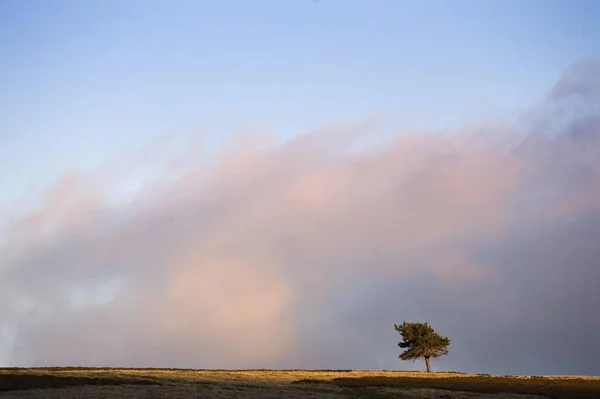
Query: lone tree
[421, 341]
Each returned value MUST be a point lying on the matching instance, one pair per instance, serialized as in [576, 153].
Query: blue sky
[81, 79]
[316, 247]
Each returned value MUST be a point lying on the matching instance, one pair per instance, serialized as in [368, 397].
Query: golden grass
[264, 384]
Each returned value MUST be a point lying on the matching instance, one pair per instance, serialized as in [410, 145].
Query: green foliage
[421, 342]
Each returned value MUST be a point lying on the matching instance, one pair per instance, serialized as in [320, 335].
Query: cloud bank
[304, 254]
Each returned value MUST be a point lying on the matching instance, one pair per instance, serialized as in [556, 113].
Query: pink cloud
[266, 254]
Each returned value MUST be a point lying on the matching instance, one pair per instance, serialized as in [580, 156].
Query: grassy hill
[72, 382]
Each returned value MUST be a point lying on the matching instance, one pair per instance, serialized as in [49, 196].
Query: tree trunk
[427, 364]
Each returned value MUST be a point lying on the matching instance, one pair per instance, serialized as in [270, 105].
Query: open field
[265, 384]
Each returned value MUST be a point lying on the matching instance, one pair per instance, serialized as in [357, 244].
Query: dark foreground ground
[292, 384]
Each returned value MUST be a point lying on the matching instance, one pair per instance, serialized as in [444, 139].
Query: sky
[274, 184]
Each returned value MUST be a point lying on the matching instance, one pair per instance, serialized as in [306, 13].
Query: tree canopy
[421, 342]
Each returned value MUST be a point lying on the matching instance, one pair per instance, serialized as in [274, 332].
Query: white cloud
[306, 253]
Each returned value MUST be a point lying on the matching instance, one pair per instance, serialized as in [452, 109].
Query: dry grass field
[264, 384]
